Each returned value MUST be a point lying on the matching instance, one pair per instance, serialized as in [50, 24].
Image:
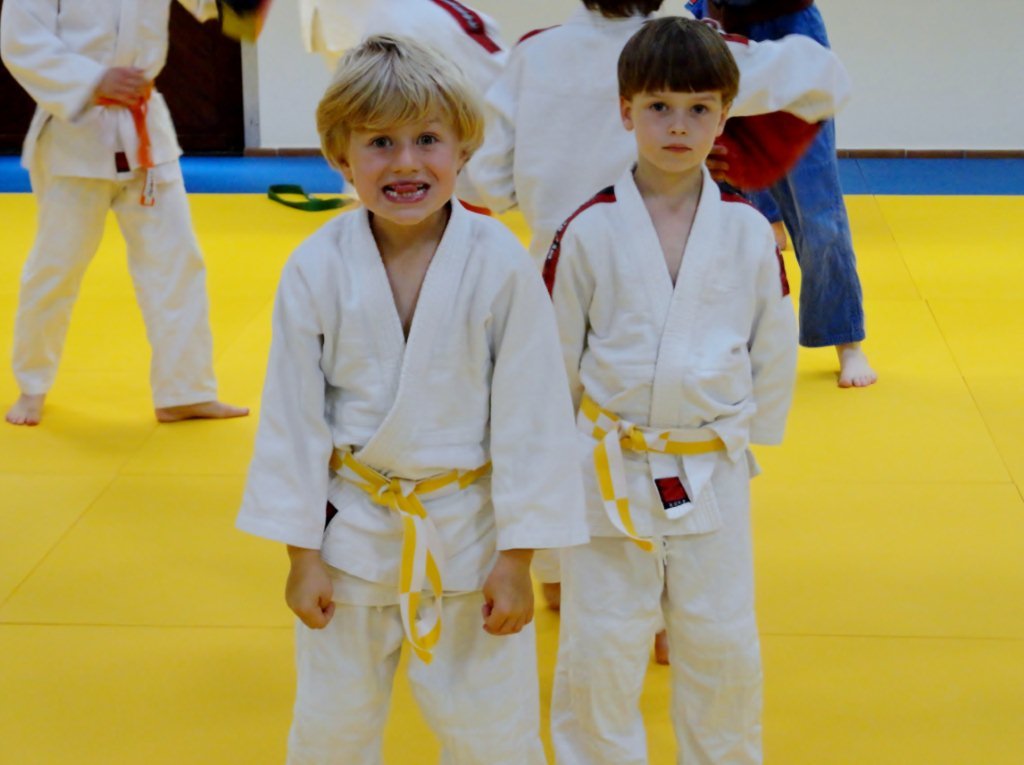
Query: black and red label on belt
[671, 491]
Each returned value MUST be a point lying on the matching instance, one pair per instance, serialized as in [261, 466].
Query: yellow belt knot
[422, 557]
[613, 434]
[634, 440]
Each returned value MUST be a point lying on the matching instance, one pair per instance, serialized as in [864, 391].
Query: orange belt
[144, 159]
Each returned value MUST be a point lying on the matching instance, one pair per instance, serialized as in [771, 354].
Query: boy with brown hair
[415, 390]
[680, 344]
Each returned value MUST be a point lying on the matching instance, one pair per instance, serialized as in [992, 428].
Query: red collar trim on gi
[533, 33]
[470, 22]
[555, 251]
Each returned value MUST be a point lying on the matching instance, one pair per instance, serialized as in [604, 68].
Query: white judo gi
[469, 38]
[554, 135]
[59, 52]
[479, 379]
[714, 356]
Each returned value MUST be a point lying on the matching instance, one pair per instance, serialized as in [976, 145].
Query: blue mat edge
[925, 177]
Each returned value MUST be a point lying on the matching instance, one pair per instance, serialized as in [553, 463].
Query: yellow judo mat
[138, 627]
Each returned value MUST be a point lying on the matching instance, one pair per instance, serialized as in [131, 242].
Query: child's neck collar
[651, 182]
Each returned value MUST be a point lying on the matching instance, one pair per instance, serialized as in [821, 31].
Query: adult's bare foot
[27, 410]
[854, 369]
[204, 410]
[552, 592]
[661, 648]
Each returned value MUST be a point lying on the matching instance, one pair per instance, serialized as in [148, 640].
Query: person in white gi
[90, 68]
[415, 389]
[468, 37]
[680, 340]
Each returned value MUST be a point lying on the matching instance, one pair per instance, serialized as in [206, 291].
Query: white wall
[927, 74]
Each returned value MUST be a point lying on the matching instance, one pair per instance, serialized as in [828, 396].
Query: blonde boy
[414, 388]
[680, 345]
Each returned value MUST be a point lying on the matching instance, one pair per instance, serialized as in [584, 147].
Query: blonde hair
[389, 81]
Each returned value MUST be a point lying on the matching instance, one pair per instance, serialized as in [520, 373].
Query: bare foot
[854, 369]
[781, 240]
[661, 648]
[205, 410]
[552, 592]
[27, 410]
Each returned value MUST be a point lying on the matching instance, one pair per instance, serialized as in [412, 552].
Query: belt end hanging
[148, 197]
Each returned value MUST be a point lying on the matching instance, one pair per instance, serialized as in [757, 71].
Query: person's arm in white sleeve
[536, 483]
[572, 290]
[286, 492]
[773, 349]
[59, 80]
[794, 74]
[487, 180]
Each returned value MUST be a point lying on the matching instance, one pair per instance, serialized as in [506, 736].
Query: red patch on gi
[671, 491]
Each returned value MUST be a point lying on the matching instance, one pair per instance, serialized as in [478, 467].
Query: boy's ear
[722, 120]
[626, 112]
[345, 168]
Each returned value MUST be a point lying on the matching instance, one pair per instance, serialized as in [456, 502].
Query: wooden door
[202, 83]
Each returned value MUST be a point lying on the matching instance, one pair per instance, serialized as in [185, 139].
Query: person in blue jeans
[810, 201]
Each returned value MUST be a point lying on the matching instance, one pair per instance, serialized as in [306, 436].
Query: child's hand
[718, 162]
[508, 593]
[123, 85]
[309, 591]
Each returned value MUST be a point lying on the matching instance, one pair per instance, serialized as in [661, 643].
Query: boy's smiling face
[675, 131]
[405, 175]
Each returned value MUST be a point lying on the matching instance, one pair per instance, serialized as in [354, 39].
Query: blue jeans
[810, 201]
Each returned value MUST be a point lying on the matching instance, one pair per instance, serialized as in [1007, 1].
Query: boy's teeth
[405, 190]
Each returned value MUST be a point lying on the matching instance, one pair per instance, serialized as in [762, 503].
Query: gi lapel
[643, 249]
[676, 349]
[433, 305]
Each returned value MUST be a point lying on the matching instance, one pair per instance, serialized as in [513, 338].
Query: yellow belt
[613, 434]
[422, 555]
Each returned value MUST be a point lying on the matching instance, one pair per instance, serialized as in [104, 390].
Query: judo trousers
[166, 267]
[479, 695]
[614, 597]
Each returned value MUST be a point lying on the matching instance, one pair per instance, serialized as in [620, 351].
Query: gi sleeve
[59, 80]
[572, 291]
[487, 179]
[286, 490]
[772, 348]
[537, 487]
[795, 75]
